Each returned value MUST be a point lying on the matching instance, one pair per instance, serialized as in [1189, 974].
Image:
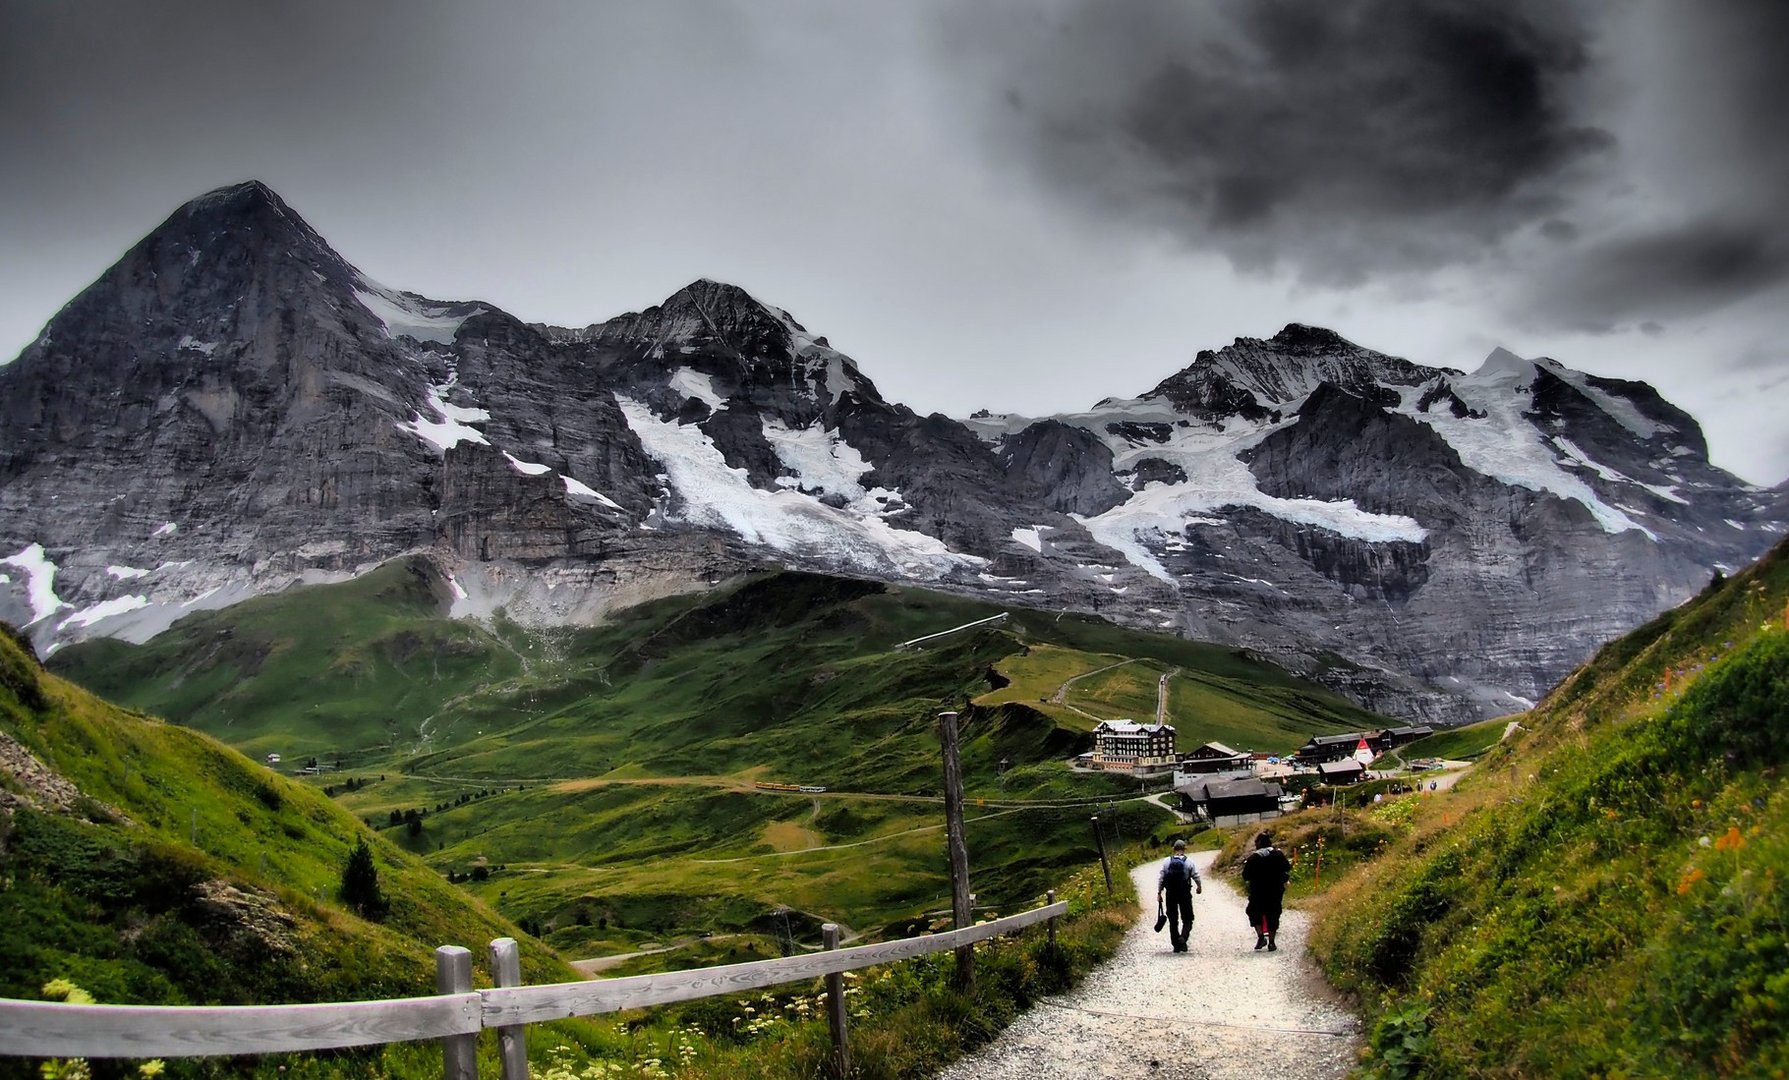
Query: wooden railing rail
[54, 1029]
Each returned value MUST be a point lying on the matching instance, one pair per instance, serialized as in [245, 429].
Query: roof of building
[1243, 788]
[1128, 727]
[1346, 765]
[1417, 729]
[1335, 740]
[1222, 749]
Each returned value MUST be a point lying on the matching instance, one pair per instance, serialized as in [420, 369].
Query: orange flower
[1689, 879]
[1731, 840]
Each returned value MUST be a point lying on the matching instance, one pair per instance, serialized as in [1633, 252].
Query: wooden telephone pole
[959, 849]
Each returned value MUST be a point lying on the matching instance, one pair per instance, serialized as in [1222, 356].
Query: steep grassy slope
[1606, 895]
[149, 863]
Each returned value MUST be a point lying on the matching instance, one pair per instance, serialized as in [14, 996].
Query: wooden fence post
[1050, 898]
[959, 850]
[512, 1041]
[1100, 842]
[453, 975]
[835, 1005]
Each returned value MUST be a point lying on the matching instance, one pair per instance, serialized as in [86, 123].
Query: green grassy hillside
[1214, 695]
[322, 670]
[148, 863]
[1457, 744]
[1605, 896]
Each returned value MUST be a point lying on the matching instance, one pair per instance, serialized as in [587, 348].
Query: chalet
[1346, 771]
[1213, 757]
[1230, 801]
[1399, 736]
[1126, 744]
[1323, 748]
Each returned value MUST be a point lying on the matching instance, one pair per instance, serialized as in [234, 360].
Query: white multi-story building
[1126, 744]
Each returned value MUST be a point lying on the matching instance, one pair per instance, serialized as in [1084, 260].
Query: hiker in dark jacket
[1265, 873]
[1178, 879]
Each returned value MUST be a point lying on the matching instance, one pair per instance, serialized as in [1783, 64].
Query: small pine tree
[360, 883]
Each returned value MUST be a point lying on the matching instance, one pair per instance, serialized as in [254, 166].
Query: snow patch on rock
[716, 495]
[40, 581]
[582, 490]
[452, 424]
[818, 459]
[105, 609]
[699, 385]
[526, 468]
[404, 315]
[1505, 446]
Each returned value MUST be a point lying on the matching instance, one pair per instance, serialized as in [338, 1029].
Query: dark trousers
[1264, 914]
[1180, 918]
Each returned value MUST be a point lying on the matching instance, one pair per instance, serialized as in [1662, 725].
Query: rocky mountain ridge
[233, 407]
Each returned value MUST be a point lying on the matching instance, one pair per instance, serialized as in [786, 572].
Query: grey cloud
[1717, 81]
[1764, 356]
[1337, 140]
[1688, 270]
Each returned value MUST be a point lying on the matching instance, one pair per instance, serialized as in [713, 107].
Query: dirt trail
[1219, 1011]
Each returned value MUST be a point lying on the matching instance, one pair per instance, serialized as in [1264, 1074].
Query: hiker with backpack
[1177, 881]
[1265, 873]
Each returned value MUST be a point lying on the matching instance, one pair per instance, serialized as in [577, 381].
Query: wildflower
[150, 1069]
[1732, 841]
[1684, 883]
[1703, 841]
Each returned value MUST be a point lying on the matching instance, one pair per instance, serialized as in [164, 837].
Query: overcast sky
[1018, 206]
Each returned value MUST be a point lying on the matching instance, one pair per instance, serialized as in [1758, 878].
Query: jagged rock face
[1251, 378]
[234, 407]
[1066, 468]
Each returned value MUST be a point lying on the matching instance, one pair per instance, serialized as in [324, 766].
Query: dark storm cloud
[1338, 139]
[1718, 84]
[1665, 274]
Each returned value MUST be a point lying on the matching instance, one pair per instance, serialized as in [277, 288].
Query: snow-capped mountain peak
[236, 407]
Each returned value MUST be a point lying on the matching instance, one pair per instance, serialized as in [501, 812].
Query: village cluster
[1227, 786]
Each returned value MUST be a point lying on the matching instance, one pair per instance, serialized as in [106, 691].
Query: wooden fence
[457, 1013]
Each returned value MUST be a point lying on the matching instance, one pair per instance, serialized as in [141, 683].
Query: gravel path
[1219, 1011]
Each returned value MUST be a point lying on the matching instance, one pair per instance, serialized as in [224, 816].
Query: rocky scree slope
[233, 407]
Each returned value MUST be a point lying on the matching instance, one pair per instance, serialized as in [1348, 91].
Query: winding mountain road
[1219, 1011]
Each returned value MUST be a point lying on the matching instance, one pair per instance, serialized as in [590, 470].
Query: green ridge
[1605, 896]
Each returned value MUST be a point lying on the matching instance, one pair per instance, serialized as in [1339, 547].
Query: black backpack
[1177, 875]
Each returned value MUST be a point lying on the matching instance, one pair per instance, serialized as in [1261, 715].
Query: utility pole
[958, 847]
[1100, 842]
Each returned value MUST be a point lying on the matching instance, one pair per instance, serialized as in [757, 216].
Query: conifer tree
[360, 883]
